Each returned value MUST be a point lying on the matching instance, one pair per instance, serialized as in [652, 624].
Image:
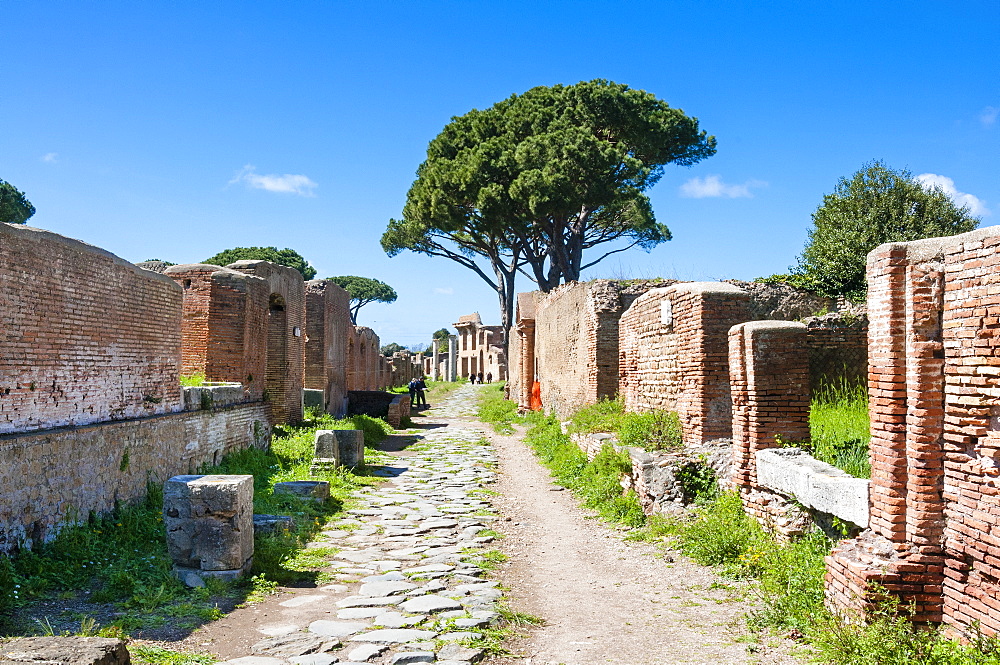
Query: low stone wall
[815, 484]
[64, 474]
[392, 407]
[657, 476]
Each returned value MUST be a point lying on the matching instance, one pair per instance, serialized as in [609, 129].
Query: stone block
[209, 522]
[65, 650]
[342, 446]
[272, 523]
[814, 484]
[318, 490]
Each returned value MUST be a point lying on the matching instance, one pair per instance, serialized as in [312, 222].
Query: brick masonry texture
[367, 368]
[327, 322]
[224, 325]
[769, 374]
[286, 337]
[85, 336]
[674, 354]
[110, 462]
[934, 307]
[838, 350]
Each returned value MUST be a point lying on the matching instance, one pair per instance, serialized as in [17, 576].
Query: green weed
[154, 655]
[494, 409]
[839, 428]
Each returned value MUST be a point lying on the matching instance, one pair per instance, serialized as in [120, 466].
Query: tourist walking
[480, 378]
[412, 387]
[421, 394]
[489, 377]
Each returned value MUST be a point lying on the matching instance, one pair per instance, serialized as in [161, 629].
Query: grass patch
[154, 655]
[501, 413]
[839, 428]
[652, 430]
[118, 564]
[596, 482]
[788, 582]
[193, 380]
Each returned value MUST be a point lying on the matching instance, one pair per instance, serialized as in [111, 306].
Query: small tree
[15, 208]
[441, 336]
[283, 257]
[364, 290]
[877, 205]
[390, 349]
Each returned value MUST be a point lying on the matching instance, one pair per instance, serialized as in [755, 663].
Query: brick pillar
[526, 363]
[769, 373]
[704, 312]
[902, 551]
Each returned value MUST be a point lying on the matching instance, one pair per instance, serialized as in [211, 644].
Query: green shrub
[653, 430]
[193, 380]
[604, 416]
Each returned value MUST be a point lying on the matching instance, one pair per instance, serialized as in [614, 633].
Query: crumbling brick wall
[63, 474]
[769, 374]
[327, 322]
[576, 345]
[838, 350]
[674, 354]
[85, 336]
[521, 350]
[367, 369]
[224, 325]
[285, 373]
[933, 307]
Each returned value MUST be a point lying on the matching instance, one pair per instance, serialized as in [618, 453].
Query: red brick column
[901, 552]
[769, 373]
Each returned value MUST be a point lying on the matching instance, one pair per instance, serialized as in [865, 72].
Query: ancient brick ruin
[93, 350]
[934, 307]
[480, 349]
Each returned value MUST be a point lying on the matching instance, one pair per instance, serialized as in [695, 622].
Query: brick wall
[838, 350]
[85, 336]
[674, 354]
[576, 344]
[769, 375]
[66, 473]
[286, 336]
[327, 322]
[224, 325]
[367, 369]
[933, 307]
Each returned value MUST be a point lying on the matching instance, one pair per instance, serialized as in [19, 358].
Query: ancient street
[410, 583]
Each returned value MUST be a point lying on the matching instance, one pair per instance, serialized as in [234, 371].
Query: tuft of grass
[651, 430]
[155, 655]
[597, 481]
[193, 380]
[839, 428]
[501, 413]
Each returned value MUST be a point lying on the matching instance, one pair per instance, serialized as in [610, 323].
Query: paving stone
[274, 630]
[367, 652]
[360, 612]
[294, 644]
[471, 623]
[396, 620]
[336, 628]
[410, 657]
[458, 636]
[429, 604]
[360, 601]
[299, 601]
[394, 636]
[387, 588]
[314, 659]
[255, 660]
[458, 652]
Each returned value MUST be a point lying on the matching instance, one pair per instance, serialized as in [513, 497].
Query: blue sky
[175, 130]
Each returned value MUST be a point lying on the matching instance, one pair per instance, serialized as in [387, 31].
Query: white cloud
[447, 292]
[988, 116]
[713, 187]
[975, 204]
[286, 184]
[50, 157]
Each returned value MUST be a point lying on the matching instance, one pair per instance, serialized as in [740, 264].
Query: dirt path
[605, 600]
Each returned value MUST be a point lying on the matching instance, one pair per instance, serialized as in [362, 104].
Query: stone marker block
[339, 447]
[209, 522]
[68, 650]
[272, 523]
[318, 490]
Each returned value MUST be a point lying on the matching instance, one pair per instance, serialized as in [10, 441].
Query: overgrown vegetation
[839, 428]
[193, 380]
[117, 565]
[597, 482]
[787, 579]
[501, 413]
[652, 430]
